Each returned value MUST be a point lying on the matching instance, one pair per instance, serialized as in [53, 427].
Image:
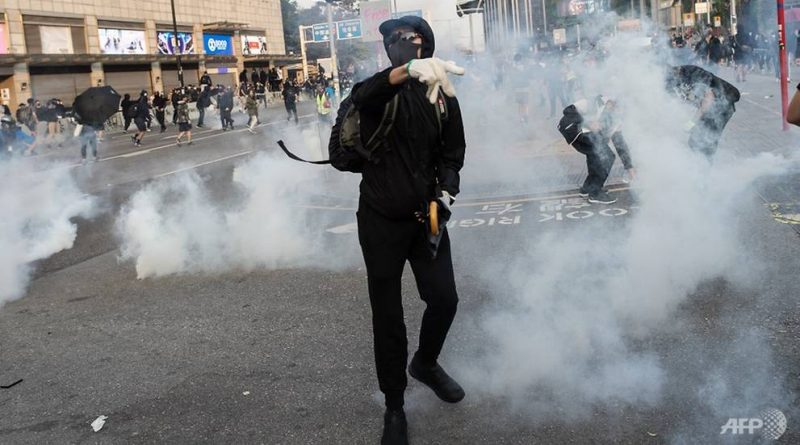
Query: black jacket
[204, 100]
[225, 100]
[413, 147]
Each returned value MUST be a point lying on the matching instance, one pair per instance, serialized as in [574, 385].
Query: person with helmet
[417, 163]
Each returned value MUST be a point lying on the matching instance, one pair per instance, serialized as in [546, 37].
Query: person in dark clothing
[6, 110]
[589, 126]
[140, 118]
[263, 77]
[203, 102]
[419, 162]
[160, 104]
[225, 104]
[125, 105]
[714, 99]
[290, 100]
[205, 79]
[243, 76]
[174, 97]
[254, 77]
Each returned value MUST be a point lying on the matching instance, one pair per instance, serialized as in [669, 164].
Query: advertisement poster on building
[168, 45]
[56, 39]
[253, 45]
[122, 41]
[218, 44]
[3, 42]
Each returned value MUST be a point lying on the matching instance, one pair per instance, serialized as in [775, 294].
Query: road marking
[763, 107]
[192, 167]
[785, 213]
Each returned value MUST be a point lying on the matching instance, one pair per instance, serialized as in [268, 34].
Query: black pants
[202, 112]
[225, 116]
[175, 115]
[387, 245]
[291, 109]
[704, 137]
[160, 119]
[127, 123]
[599, 160]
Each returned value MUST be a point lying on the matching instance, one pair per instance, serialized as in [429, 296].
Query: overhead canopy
[469, 7]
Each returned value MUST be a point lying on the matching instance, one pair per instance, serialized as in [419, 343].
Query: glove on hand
[433, 72]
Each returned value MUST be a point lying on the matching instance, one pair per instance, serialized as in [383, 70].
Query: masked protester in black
[388, 227]
[714, 99]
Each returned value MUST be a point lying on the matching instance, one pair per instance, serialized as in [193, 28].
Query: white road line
[192, 167]
[763, 107]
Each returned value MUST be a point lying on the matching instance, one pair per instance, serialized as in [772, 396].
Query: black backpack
[347, 150]
[132, 111]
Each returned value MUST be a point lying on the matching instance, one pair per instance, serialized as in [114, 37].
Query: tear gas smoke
[38, 208]
[564, 330]
[174, 226]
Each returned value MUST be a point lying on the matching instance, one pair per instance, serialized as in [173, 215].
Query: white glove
[446, 200]
[688, 126]
[433, 72]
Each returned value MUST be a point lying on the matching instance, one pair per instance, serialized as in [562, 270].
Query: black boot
[436, 379]
[395, 428]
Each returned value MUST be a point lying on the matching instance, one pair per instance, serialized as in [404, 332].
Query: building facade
[58, 48]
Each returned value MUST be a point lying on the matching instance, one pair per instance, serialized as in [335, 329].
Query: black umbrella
[95, 105]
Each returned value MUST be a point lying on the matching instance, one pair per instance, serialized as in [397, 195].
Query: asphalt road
[285, 356]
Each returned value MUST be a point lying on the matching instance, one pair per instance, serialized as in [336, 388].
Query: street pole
[176, 47]
[733, 17]
[303, 51]
[471, 36]
[784, 65]
[334, 66]
[544, 16]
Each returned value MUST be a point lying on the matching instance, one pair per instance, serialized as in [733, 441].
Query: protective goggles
[405, 36]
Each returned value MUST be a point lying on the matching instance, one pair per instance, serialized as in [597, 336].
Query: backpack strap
[385, 126]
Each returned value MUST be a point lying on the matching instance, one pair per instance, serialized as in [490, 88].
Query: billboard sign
[3, 41]
[218, 44]
[167, 44]
[252, 45]
[122, 41]
[56, 39]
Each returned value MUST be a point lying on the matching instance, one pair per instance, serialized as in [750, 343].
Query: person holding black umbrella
[418, 166]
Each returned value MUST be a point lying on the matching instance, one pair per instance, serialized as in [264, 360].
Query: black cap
[418, 24]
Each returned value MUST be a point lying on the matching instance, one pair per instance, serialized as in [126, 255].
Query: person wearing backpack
[714, 99]
[27, 117]
[323, 106]
[590, 126]
[203, 102]
[414, 167]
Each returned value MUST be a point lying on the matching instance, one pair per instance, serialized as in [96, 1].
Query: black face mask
[402, 51]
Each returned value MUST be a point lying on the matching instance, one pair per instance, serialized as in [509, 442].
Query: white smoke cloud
[563, 333]
[173, 226]
[38, 208]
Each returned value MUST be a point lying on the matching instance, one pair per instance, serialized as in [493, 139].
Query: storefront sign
[252, 45]
[559, 36]
[218, 44]
[168, 45]
[3, 41]
[688, 19]
[122, 41]
[56, 39]
[373, 13]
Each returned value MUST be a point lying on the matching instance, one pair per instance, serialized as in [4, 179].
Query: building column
[97, 76]
[22, 83]
[92, 35]
[155, 77]
[237, 51]
[197, 35]
[151, 36]
[16, 32]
